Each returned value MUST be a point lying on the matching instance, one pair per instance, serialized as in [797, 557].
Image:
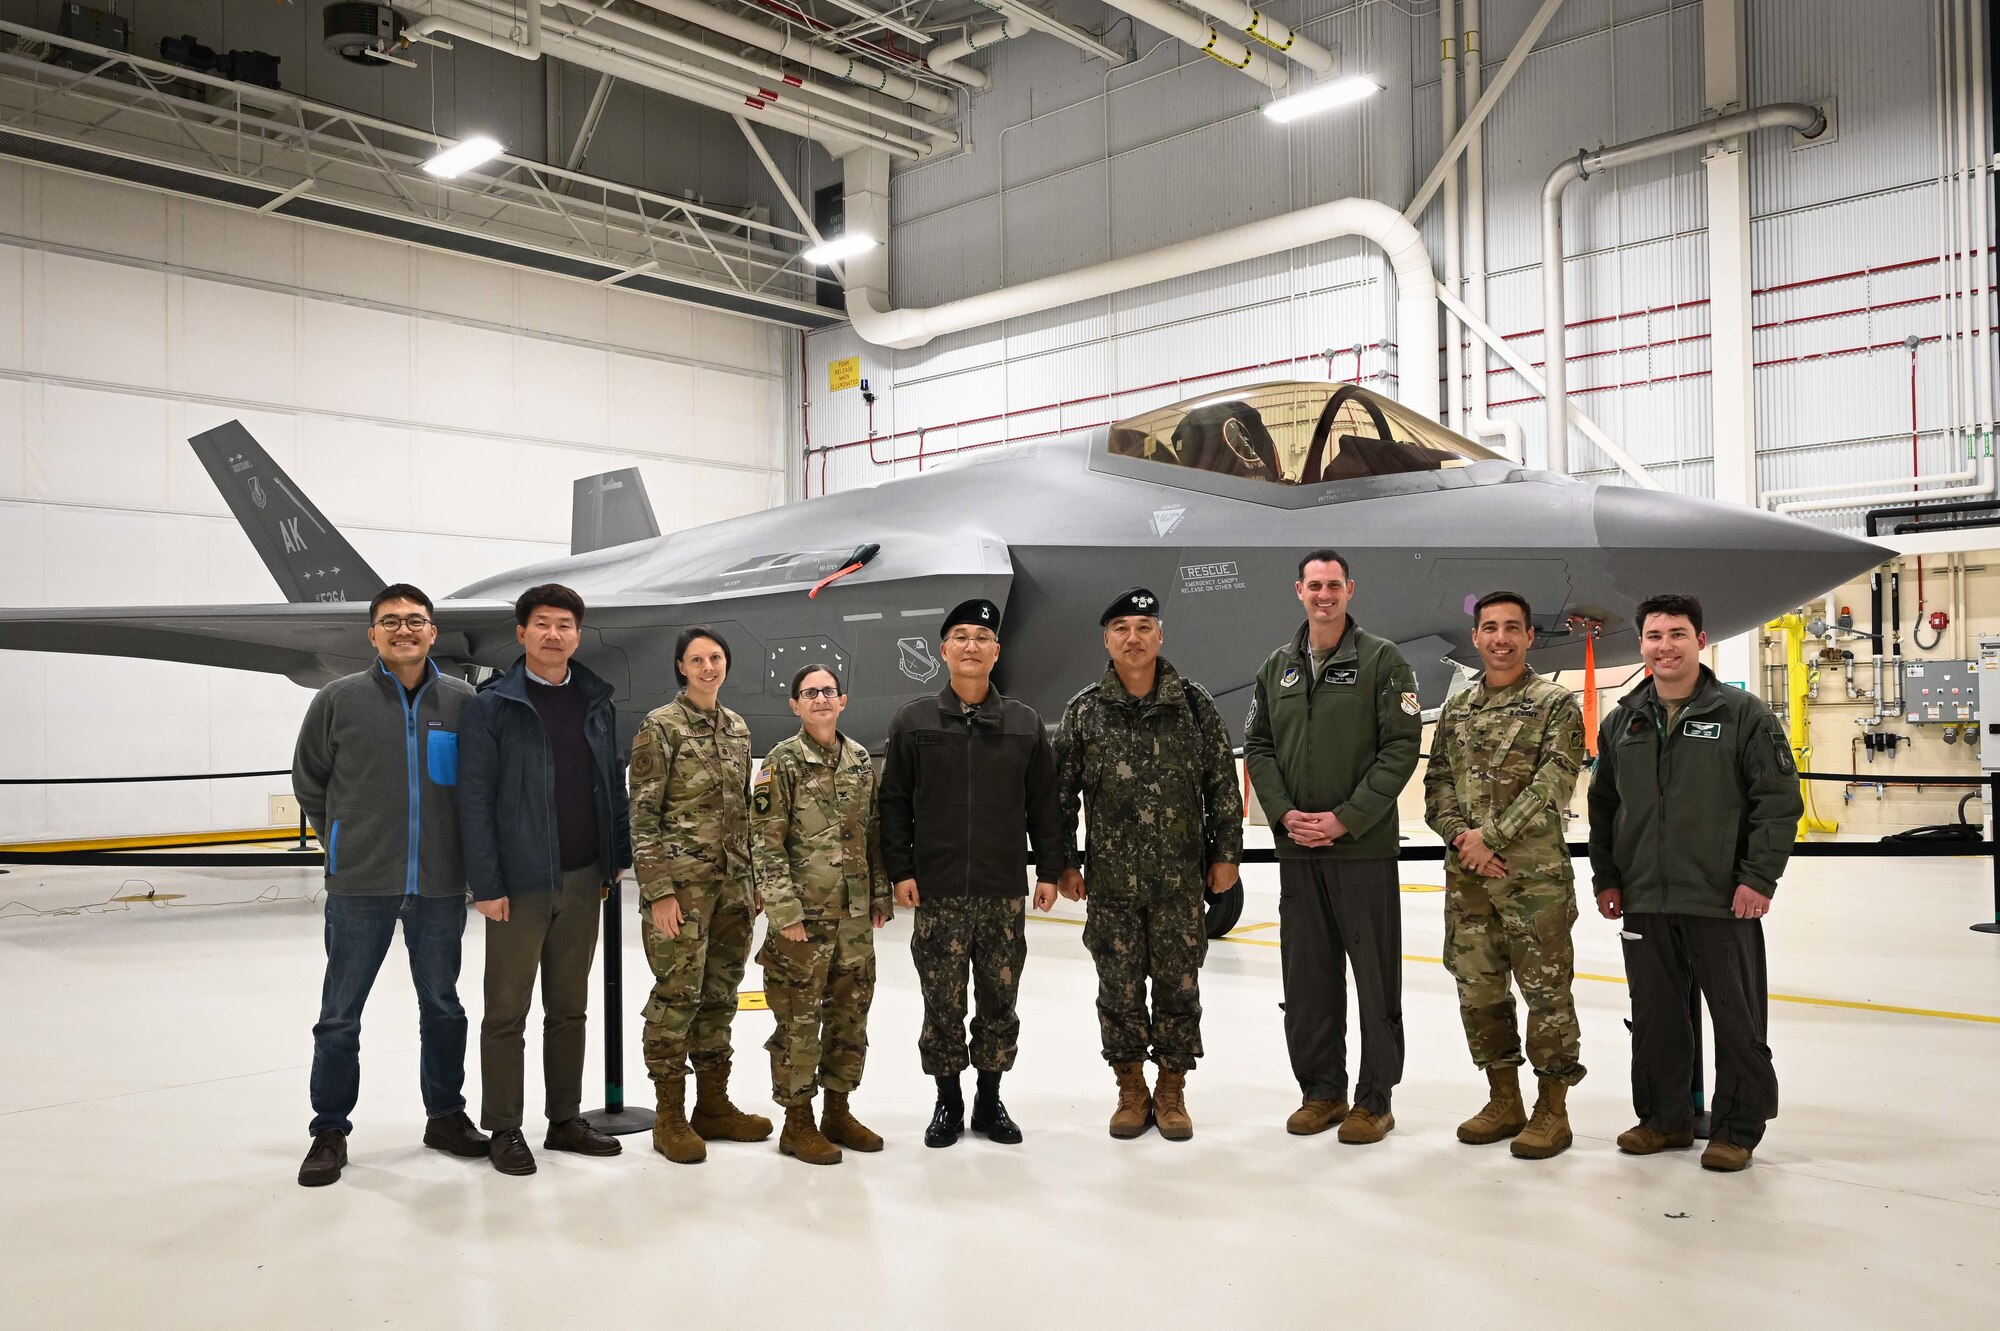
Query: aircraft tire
[1223, 911]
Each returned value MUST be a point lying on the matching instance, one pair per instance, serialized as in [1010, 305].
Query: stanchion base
[1992, 928]
[622, 1122]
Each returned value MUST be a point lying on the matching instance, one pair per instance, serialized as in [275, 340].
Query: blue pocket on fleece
[441, 756]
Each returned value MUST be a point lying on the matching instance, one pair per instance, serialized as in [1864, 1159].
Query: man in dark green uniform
[1147, 754]
[1693, 811]
[1331, 741]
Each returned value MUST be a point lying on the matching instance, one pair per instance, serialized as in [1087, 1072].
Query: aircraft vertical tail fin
[610, 509]
[310, 560]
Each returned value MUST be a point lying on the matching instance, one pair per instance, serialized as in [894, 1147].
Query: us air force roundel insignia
[1410, 704]
[1289, 678]
[1702, 729]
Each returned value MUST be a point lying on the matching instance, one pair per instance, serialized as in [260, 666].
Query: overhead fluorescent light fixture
[840, 247]
[1322, 97]
[456, 160]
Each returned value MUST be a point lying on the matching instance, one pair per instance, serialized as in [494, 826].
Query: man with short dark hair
[1331, 741]
[968, 781]
[1504, 761]
[542, 790]
[376, 770]
[1693, 811]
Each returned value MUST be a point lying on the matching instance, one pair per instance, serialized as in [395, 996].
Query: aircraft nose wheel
[1223, 911]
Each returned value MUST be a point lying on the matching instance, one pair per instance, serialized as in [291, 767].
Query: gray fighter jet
[1209, 502]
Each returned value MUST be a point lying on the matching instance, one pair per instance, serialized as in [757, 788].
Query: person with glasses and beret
[376, 773]
[968, 781]
[817, 848]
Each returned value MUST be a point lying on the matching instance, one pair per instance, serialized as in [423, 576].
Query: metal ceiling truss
[143, 122]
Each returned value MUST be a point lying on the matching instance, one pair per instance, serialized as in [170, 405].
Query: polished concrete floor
[153, 1112]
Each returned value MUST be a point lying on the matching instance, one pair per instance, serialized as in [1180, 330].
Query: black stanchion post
[302, 831]
[617, 1117]
[1992, 926]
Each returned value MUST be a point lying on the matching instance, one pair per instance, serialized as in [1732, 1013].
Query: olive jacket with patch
[1681, 814]
[1344, 739]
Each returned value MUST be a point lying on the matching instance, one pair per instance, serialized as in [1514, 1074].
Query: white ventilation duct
[1416, 292]
[1202, 36]
[944, 59]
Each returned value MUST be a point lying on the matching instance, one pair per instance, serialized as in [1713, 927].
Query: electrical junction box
[1989, 704]
[98, 27]
[1943, 693]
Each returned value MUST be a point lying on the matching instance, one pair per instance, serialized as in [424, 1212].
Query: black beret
[1138, 601]
[979, 612]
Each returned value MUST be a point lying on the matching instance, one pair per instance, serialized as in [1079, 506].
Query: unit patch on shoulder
[1289, 678]
[1702, 729]
[1410, 704]
[1345, 676]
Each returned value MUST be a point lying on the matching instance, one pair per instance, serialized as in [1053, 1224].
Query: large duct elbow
[1416, 295]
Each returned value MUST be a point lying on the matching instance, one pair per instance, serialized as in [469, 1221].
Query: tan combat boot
[802, 1140]
[839, 1126]
[1504, 1114]
[1361, 1128]
[715, 1118]
[672, 1137]
[1315, 1116]
[1170, 1106]
[1135, 1103]
[1548, 1131]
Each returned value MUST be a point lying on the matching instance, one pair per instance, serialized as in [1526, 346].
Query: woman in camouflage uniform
[817, 844]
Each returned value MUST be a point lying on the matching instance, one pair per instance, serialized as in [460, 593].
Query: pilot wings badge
[257, 492]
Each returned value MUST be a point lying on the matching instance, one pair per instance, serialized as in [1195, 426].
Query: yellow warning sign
[752, 1000]
[843, 374]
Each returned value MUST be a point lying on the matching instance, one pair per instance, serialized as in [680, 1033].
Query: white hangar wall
[1069, 165]
[436, 408]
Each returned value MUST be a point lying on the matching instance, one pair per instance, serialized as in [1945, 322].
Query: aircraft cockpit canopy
[1293, 433]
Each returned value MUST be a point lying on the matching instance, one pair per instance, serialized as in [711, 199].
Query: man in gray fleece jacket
[376, 771]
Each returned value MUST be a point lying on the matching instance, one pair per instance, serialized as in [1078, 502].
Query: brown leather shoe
[1135, 1102]
[1361, 1128]
[325, 1160]
[672, 1137]
[578, 1136]
[838, 1125]
[1645, 1139]
[1315, 1116]
[802, 1139]
[1725, 1157]
[1170, 1106]
[715, 1118]
[510, 1153]
[455, 1133]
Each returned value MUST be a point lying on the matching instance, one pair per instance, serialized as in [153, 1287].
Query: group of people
[421, 788]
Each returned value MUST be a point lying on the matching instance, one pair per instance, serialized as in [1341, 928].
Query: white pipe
[1055, 28]
[1202, 36]
[1475, 217]
[1477, 115]
[1962, 184]
[1589, 428]
[1454, 354]
[1950, 363]
[788, 44]
[1416, 306]
[1979, 186]
[1488, 427]
[1253, 22]
[771, 77]
[944, 59]
[694, 83]
[1848, 487]
[1979, 490]
[1794, 115]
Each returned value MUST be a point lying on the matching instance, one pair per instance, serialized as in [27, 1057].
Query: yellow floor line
[1234, 936]
[158, 839]
[1248, 928]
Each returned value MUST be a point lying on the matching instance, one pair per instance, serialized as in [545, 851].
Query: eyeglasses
[972, 640]
[394, 622]
[828, 691]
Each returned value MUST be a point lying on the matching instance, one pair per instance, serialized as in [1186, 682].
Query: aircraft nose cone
[1746, 565]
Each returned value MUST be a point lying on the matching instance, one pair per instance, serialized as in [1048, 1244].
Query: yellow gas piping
[1798, 732]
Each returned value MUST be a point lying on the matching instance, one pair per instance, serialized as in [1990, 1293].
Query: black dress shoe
[990, 1117]
[325, 1160]
[454, 1133]
[510, 1153]
[576, 1135]
[946, 1124]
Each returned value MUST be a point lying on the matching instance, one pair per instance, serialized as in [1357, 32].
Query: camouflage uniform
[691, 840]
[1505, 761]
[817, 844]
[1161, 801]
[989, 933]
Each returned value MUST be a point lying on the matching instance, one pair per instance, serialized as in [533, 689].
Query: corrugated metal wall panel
[1054, 225]
[947, 255]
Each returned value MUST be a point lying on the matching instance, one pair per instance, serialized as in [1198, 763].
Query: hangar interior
[1084, 212]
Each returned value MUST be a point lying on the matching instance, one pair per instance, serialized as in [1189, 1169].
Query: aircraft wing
[309, 643]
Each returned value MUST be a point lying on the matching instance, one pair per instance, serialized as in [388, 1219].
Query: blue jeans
[358, 933]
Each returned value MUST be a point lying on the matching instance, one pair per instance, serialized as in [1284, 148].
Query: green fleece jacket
[1343, 738]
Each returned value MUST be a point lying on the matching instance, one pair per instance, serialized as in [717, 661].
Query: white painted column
[1733, 417]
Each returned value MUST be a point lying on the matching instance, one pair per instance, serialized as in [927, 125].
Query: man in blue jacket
[374, 770]
[545, 819]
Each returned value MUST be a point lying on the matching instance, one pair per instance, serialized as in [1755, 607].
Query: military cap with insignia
[1138, 601]
[978, 612]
